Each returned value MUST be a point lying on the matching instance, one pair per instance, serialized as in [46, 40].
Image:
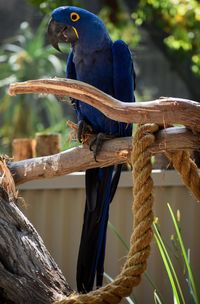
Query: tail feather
[100, 189]
[115, 181]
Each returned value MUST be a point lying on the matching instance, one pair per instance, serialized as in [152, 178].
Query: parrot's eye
[74, 17]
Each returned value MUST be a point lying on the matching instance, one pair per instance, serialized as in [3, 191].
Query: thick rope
[188, 170]
[136, 262]
[141, 237]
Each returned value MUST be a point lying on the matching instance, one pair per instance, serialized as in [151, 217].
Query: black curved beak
[58, 32]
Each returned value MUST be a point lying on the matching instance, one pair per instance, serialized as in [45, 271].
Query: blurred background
[164, 37]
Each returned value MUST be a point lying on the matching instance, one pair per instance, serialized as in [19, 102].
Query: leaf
[157, 299]
[112, 227]
[190, 274]
[167, 267]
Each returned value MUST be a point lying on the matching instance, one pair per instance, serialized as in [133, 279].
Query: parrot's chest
[96, 69]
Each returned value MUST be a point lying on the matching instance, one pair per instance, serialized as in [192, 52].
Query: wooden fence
[56, 206]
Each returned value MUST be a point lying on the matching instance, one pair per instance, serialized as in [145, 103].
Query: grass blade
[157, 299]
[126, 245]
[170, 264]
[128, 299]
[190, 274]
[112, 227]
[167, 267]
[153, 285]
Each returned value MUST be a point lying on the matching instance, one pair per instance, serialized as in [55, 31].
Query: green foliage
[190, 278]
[179, 247]
[27, 57]
[180, 22]
[48, 6]
[175, 285]
[123, 28]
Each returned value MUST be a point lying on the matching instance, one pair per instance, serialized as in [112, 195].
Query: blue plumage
[107, 65]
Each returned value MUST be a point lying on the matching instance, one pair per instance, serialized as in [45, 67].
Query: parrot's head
[76, 26]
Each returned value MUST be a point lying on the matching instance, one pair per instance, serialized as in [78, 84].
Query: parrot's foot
[84, 130]
[97, 142]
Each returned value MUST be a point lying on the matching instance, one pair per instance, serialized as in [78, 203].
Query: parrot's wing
[101, 184]
[123, 79]
[123, 72]
[124, 86]
[70, 71]
[71, 74]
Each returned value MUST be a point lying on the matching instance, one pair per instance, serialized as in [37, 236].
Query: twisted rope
[188, 170]
[136, 262]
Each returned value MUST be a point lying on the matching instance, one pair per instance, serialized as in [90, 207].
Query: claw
[97, 142]
[83, 130]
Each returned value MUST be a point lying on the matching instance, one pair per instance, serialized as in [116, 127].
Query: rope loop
[141, 237]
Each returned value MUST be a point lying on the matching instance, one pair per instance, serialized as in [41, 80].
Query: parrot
[94, 59]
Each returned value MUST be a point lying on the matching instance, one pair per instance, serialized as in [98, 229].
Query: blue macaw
[107, 65]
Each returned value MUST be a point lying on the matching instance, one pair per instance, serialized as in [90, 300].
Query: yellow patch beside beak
[76, 32]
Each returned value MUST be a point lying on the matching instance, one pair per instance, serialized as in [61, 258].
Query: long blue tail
[101, 185]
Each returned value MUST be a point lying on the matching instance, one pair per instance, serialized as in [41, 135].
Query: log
[166, 110]
[28, 274]
[114, 151]
[47, 144]
[23, 148]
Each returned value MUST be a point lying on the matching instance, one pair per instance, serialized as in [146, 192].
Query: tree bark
[28, 274]
[165, 110]
[113, 152]
[26, 268]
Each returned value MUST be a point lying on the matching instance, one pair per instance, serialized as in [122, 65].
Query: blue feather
[96, 60]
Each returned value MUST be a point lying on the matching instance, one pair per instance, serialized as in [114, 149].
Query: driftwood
[114, 151]
[166, 110]
[28, 274]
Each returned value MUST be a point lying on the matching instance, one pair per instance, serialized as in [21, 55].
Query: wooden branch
[26, 268]
[162, 111]
[113, 152]
[176, 138]
[28, 274]
[72, 160]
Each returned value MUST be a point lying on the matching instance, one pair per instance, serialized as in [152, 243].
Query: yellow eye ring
[74, 17]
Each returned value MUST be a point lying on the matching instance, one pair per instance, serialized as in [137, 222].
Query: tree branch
[26, 268]
[114, 151]
[162, 111]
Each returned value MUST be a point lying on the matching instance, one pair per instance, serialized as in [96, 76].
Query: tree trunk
[28, 274]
